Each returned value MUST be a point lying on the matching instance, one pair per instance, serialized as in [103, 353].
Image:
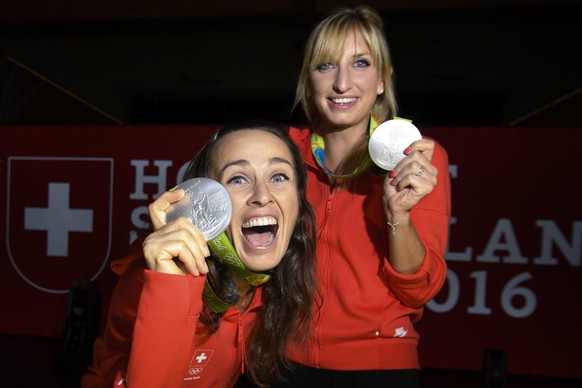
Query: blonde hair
[326, 44]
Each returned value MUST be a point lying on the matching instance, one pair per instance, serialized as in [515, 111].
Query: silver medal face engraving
[389, 140]
[206, 204]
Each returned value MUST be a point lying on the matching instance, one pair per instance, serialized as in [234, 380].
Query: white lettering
[218, 243]
[452, 297]
[551, 235]
[454, 171]
[138, 217]
[503, 231]
[141, 179]
[479, 306]
[511, 290]
[457, 256]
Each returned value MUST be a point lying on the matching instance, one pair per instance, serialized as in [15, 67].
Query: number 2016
[513, 289]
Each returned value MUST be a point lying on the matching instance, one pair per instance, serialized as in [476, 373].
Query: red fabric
[514, 191]
[153, 337]
[368, 310]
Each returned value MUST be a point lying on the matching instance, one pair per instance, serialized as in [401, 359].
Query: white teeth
[260, 222]
[342, 100]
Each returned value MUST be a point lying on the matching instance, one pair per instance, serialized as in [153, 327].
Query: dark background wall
[467, 63]
[514, 62]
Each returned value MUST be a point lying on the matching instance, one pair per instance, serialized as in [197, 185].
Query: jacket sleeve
[165, 326]
[150, 327]
[111, 349]
[431, 218]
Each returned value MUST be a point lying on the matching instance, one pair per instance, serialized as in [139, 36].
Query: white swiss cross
[58, 219]
[201, 358]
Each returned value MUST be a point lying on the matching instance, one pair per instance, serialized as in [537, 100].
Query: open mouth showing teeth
[342, 100]
[260, 232]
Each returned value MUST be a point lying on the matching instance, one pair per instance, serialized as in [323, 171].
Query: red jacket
[167, 347]
[366, 321]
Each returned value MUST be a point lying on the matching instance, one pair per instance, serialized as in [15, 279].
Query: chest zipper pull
[242, 344]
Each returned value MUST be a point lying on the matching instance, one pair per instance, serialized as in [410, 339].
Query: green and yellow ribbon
[318, 150]
[223, 249]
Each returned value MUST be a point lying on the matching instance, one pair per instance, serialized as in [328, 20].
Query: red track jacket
[168, 347]
[366, 321]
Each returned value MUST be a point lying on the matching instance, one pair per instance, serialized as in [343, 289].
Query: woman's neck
[339, 144]
[245, 292]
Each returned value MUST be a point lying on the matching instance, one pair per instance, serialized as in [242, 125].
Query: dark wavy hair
[290, 294]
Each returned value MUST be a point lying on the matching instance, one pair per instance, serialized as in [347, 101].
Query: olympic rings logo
[194, 371]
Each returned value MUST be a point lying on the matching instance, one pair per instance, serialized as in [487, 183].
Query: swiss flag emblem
[58, 219]
[201, 357]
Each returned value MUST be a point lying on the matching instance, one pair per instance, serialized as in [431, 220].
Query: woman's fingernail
[174, 188]
[393, 182]
[407, 151]
[392, 174]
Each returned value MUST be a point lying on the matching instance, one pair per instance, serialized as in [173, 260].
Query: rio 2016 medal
[206, 204]
[389, 140]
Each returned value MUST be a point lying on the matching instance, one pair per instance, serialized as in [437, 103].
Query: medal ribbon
[318, 150]
[223, 249]
[212, 300]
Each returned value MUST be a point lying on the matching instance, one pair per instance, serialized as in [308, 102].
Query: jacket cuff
[420, 278]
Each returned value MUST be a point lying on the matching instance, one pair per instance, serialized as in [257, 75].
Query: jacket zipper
[326, 270]
[241, 342]
[240, 335]
[327, 213]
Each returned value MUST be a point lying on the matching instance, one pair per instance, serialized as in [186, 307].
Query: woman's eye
[324, 67]
[361, 63]
[236, 180]
[280, 177]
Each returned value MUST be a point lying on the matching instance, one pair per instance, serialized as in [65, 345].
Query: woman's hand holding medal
[176, 247]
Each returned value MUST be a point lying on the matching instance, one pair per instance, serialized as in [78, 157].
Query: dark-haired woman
[162, 331]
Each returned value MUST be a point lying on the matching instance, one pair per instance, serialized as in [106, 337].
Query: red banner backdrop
[71, 195]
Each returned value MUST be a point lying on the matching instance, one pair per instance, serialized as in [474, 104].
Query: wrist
[393, 220]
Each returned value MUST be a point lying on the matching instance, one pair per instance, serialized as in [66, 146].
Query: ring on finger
[420, 171]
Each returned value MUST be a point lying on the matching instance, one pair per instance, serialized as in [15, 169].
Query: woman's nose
[343, 81]
[261, 195]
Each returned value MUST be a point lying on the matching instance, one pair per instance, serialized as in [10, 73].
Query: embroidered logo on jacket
[197, 363]
[400, 332]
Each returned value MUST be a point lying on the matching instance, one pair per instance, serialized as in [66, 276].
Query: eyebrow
[245, 163]
[354, 56]
[277, 160]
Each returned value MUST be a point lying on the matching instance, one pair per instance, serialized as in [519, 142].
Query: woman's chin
[262, 259]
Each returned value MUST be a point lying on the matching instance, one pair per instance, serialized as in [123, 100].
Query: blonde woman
[381, 237]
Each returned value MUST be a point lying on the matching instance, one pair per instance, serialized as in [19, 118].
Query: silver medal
[206, 204]
[389, 140]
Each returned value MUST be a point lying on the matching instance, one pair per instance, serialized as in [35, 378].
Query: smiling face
[344, 91]
[257, 169]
